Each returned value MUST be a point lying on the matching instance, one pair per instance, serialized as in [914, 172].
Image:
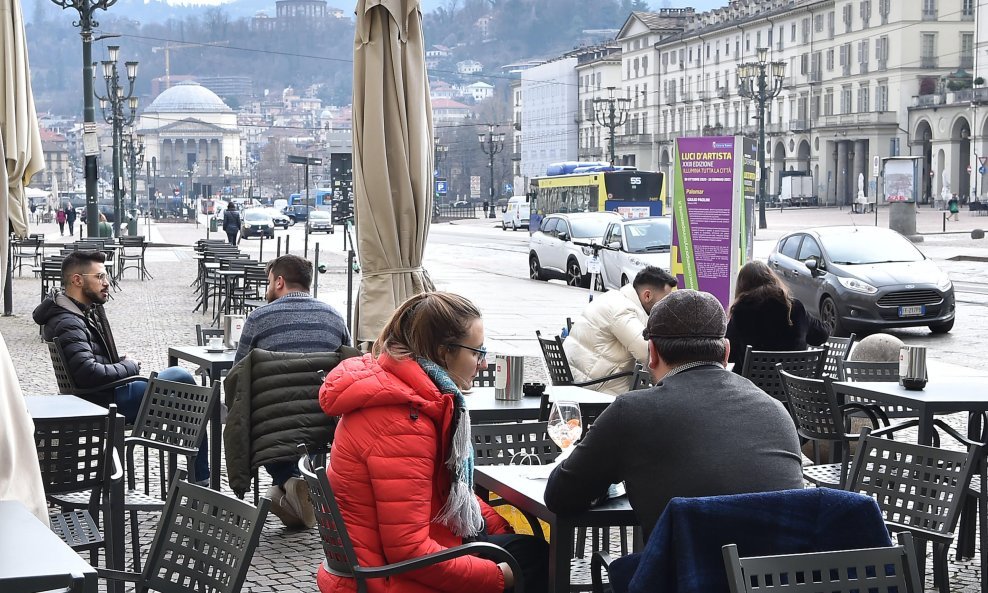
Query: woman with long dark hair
[231, 223]
[402, 460]
[765, 316]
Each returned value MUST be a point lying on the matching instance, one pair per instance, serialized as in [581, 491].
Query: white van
[515, 213]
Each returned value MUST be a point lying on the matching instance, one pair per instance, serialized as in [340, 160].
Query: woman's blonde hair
[424, 324]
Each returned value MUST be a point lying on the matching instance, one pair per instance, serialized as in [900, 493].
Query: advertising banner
[711, 232]
[900, 180]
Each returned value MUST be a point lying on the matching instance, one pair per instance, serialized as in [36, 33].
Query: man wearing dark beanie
[701, 431]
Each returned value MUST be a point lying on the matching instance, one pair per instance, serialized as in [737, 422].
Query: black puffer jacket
[87, 343]
[231, 221]
[764, 324]
[273, 401]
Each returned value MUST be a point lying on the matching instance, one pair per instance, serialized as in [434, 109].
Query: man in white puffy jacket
[607, 338]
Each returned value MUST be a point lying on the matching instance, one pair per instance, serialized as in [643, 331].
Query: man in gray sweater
[292, 321]
[701, 431]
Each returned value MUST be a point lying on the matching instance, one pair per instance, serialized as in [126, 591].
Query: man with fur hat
[701, 431]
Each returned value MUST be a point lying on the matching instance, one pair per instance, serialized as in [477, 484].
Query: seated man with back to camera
[607, 338]
[292, 321]
[76, 317]
[701, 431]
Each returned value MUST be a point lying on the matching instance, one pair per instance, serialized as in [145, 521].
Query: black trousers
[532, 554]
[231, 236]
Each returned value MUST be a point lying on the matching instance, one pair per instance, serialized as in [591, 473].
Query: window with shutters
[864, 104]
[845, 98]
[882, 95]
[828, 102]
[847, 18]
[884, 8]
[845, 59]
[928, 50]
[882, 52]
[863, 53]
[831, 18]
[818, 23]
[967, 10]
[806, 30]
[929, 10]
[865, 13]
[830, 60]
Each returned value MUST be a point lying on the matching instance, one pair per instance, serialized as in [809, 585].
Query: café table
[484, 408]
[33, 558]
[216, 363]
[528, 495]
[61, 406]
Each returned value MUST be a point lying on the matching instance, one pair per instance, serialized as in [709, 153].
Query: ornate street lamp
[761, 82]
[112, 106]
[611, 113]
[441, 152]
[133, 147]
[491, 144]
[86, 23]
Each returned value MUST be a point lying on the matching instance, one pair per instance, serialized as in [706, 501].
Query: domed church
[190, 136]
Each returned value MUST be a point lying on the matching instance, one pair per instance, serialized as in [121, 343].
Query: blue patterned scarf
[461, 512]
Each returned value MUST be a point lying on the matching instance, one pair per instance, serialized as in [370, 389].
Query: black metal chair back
[517, 443]
[172, 419]
[66, 383]
[203, 334]
[485, 377]
[876, 570]
[555, 359]
[204, 542]
[869, 371]
[760, 367]
[837, 351]
[341, 558]
[51, 275]
[76, 455]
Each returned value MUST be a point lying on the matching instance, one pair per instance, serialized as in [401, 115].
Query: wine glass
[565, 426]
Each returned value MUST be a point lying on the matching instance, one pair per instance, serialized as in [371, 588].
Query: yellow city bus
[633, 194]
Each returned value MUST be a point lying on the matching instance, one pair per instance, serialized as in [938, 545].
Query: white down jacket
[607, 339]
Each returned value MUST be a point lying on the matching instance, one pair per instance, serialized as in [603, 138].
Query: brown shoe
[282, 507]
[297, 495]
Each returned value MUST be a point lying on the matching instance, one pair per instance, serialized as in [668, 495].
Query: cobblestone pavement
[149, 316]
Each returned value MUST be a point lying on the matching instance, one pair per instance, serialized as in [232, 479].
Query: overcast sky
[700, 5]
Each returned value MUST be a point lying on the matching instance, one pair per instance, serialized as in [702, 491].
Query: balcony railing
[927, 100]
[704, 95]
[687, 97]
[626, 139]
[864, 67]
[799, 125]
[967, 15]
[883, 65]
[928, 62]
[722, 92]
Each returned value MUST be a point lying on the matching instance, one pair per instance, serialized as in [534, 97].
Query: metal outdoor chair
[513, 443]
[204, 542]
[558, 365]
[66, 382]
[919, 489]
[861, 372]
[820, 418]
[837, 351]
[204, 333]
[26, 249]
[51, 275]
[760, 367]
[485, 377]
[132, 250]
[877, 570]
[79, 455]
[341, 558]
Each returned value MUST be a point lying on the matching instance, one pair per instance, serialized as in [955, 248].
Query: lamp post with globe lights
[491, 144]
[761, 81]
[112, 106]
[86, 23]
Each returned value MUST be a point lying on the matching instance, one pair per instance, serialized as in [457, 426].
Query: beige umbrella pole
[392, 130]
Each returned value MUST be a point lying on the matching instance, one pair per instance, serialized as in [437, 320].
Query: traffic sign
[875, 163]
[982, 170]
[983, 159]
[442, 186]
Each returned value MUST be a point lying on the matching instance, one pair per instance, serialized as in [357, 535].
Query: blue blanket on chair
[683, 553]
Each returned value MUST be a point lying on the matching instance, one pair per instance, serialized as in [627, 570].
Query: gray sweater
[296, 322]
[702, 432]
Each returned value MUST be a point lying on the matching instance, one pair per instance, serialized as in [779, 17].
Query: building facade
[857, 73]
[191, 136]
[549, 96]
[599, 74]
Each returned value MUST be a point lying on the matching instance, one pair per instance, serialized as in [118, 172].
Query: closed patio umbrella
[392, 158]
[20, 138]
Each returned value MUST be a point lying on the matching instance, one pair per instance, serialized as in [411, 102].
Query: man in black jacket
[75, 316]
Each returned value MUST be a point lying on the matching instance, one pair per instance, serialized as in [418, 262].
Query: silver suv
[553, 252]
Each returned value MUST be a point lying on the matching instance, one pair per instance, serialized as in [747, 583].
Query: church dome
[186, 97]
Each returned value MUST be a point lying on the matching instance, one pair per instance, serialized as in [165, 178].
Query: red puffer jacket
[389, 478]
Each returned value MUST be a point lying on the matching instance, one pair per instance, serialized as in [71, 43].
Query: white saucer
[217, 350]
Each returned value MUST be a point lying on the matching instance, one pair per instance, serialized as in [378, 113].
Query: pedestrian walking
[70, 214]
[954, 208]
[34, 210]
[231, 223]
[60, 219]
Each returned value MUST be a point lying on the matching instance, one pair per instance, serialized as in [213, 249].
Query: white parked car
[515, 213]
[553, 252]
[320, 221]
[278, 217]
[634, 244]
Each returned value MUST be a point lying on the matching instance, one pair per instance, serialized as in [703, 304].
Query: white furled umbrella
[20, 137]
[392, 159]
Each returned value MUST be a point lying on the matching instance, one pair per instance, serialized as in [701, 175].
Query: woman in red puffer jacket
[402, 460]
